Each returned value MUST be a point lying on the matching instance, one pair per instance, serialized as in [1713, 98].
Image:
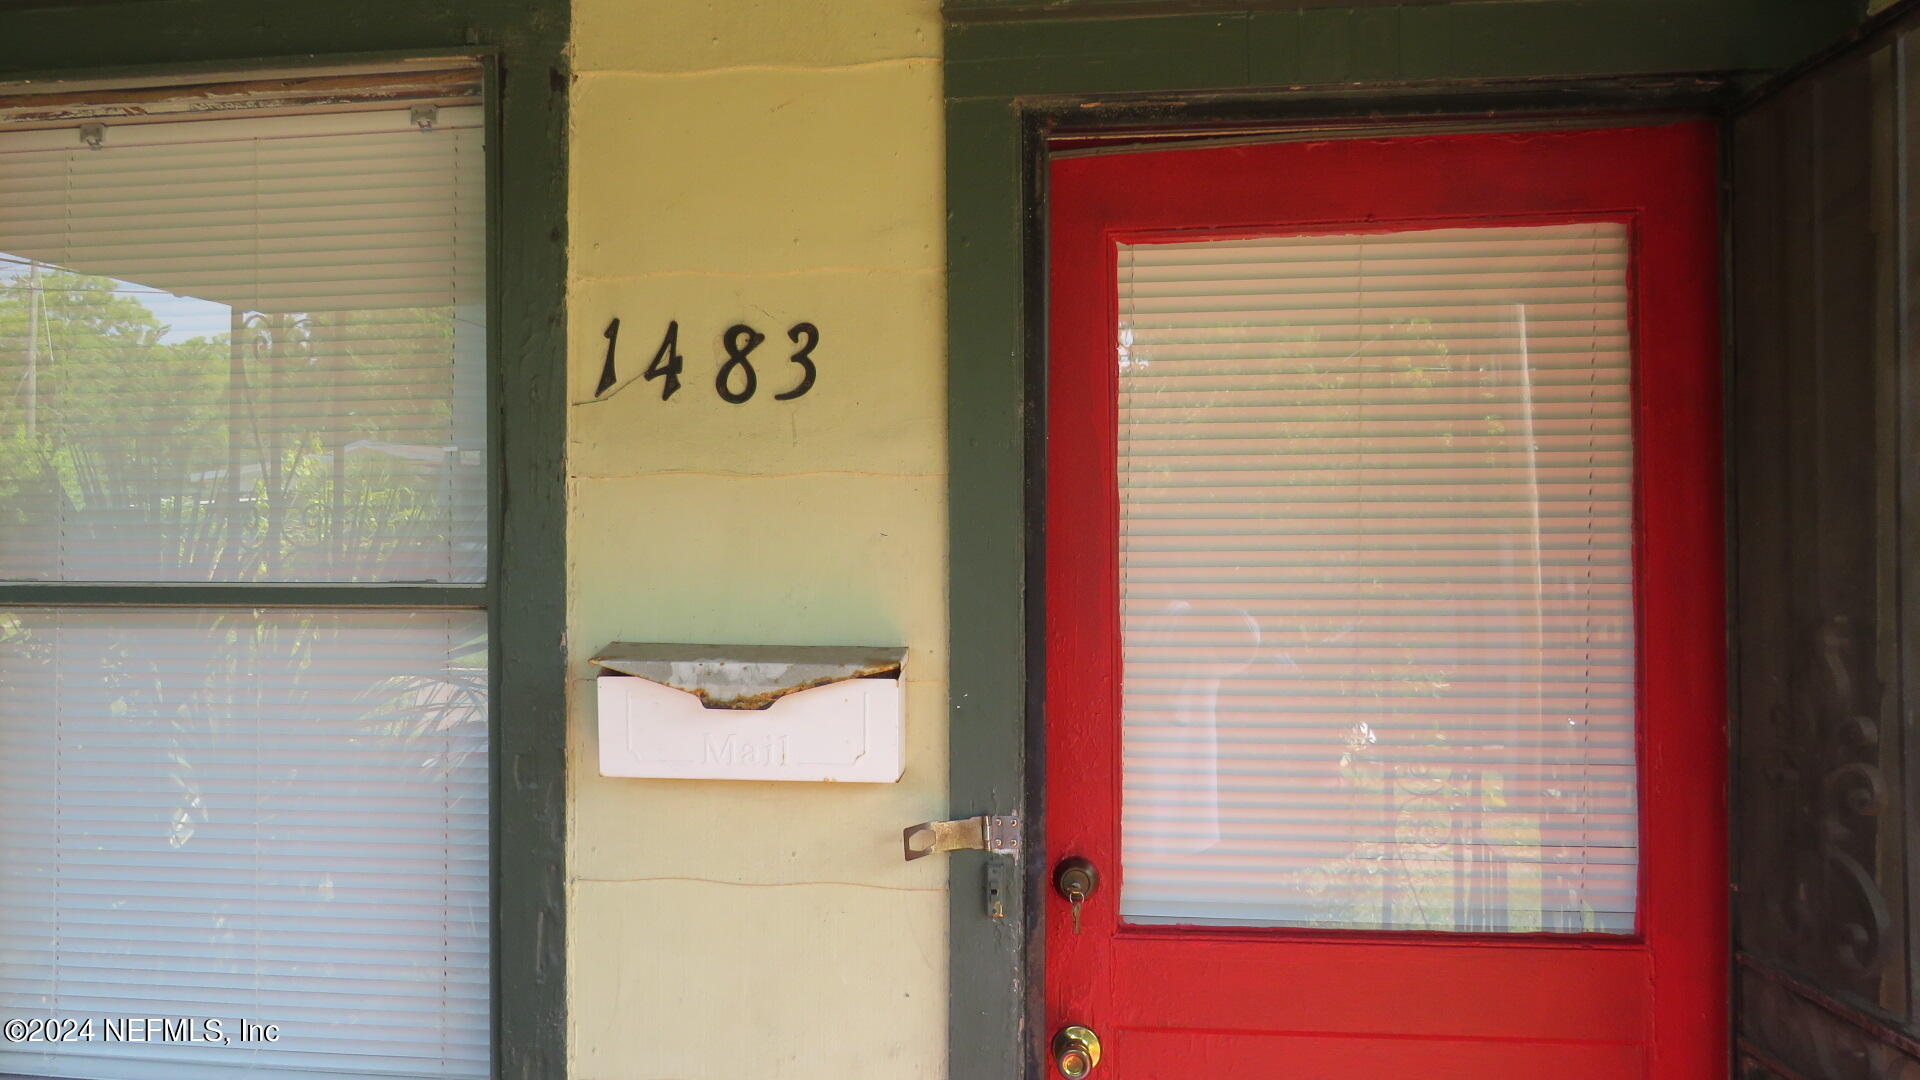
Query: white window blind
[244, 349]
[274, 816]
[240, 351]
[1376, 525]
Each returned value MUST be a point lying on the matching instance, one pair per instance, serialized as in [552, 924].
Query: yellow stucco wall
[767, 162]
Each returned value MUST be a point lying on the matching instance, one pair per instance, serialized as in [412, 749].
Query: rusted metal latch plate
[996, 834]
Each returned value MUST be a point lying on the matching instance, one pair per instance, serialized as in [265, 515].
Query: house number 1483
[735, 380]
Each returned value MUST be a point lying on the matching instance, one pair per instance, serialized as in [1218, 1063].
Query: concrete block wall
[765, 162]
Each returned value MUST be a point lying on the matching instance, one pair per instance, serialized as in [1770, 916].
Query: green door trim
[521, 47]
[1019, 73]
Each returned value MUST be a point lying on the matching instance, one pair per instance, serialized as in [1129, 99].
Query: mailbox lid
[750, 677]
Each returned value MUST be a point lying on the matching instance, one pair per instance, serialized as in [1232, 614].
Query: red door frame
[1570, 1006]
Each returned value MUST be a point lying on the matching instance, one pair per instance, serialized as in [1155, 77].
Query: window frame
[1024, 78]
[525, 303]
[997, 443]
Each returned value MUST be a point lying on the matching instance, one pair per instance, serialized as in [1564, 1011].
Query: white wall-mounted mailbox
[752, 712]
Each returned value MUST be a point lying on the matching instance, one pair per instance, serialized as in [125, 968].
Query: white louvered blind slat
[275, 816]
[258, 345]
[1376, 557]
[245, 350]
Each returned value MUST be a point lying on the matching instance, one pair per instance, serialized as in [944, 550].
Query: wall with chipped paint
[765, 162]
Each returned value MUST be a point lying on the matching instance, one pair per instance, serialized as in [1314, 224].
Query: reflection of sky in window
[186, 317]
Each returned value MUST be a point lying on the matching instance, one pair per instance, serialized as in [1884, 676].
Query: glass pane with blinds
[244, 349]
[1376, 555]
[277, 817]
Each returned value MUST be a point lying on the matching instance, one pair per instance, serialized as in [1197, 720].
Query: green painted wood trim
[115, 37]
[988, 562]
[964, 11]
[1322, 46]
[959, 11]
[523, 43]
[529, 630]
[1009, 80]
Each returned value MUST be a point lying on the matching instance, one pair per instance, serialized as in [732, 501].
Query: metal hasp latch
[995, 834]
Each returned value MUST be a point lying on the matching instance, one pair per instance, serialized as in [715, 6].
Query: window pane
[273, 816]
[1376, 528]
[244, 349]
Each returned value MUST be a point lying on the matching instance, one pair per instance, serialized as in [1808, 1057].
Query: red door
[1384, 662]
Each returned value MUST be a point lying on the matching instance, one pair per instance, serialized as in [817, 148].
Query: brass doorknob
[1076, 1050]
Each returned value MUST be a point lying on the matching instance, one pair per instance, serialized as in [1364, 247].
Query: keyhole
[1076, 880]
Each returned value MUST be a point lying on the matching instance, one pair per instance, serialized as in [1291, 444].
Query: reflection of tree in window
[297, 445]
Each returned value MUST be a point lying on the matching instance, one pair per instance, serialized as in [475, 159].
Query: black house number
[735, 380]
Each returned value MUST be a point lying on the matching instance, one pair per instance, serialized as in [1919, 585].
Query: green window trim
[520, 44]
[1018, 72]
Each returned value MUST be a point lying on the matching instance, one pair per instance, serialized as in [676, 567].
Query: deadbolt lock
[1076, 1051]
[1076, 880]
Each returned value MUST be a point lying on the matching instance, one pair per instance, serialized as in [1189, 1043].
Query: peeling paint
[749, 677]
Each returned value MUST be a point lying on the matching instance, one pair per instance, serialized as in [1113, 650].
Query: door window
[1376, 594]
